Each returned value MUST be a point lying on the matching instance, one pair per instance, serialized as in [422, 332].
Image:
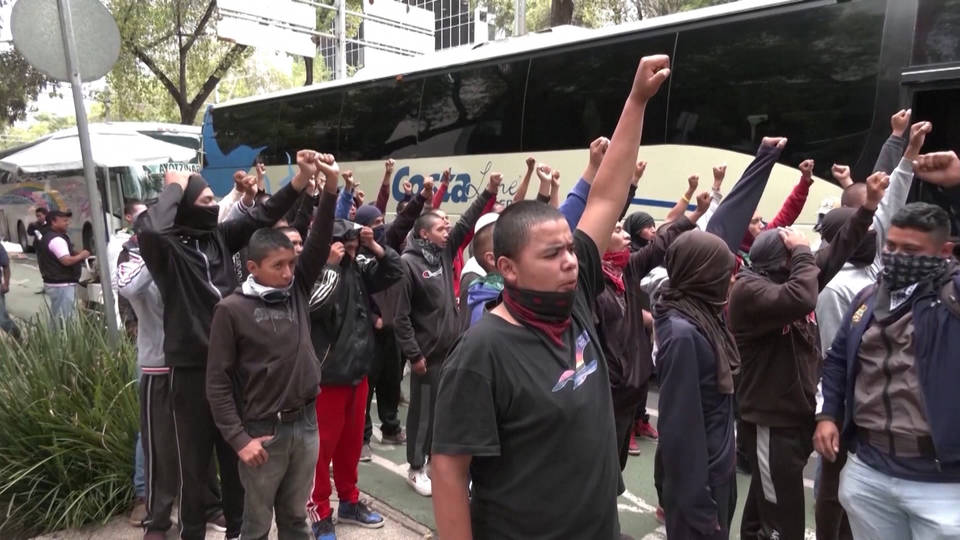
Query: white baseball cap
[487, 219]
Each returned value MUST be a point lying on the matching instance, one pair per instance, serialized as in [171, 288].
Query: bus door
[934, 95]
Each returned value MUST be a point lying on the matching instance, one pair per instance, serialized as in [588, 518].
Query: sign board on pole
[264, 36]
[416, 33]
[36, 32]
[251, 22]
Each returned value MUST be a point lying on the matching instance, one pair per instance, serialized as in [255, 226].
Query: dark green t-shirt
[538, 421]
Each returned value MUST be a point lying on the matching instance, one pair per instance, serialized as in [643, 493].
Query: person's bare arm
[703, 204]
[609, 191]
[598, 149]
[555, 189]
[70, 260]
[681, 206]
[451, 508]
[521, 193]
[545, 175]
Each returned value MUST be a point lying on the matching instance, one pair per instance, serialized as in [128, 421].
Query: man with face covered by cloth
[771, 316]
[190, 257]
[696, 457]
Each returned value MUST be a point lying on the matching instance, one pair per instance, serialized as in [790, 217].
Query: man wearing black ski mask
[190, 257]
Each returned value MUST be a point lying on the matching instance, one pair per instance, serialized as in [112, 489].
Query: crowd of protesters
[265, 324]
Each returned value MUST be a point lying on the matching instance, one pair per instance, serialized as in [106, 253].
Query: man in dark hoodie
[695, 456]
[190, 257]
[426, 321]
[262, 373]
[771, 315]
[342, 334]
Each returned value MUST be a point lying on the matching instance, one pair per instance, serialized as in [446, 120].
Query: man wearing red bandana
[510, 415]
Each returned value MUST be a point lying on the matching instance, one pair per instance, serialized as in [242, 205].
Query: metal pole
[521, 17]
[96, 211]
[341, 39]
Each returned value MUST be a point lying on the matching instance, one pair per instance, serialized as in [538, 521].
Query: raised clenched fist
[877, 185]
[651, 73]
[638, 172]
[779, 142]
[806, 168]
[899, 121]
[941, 168]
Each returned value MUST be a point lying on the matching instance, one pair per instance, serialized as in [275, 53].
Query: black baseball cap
[54, 214]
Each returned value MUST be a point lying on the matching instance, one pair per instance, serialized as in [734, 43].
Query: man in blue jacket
[890, 379]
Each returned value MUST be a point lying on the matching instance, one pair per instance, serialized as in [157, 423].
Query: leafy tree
[171, 42]
[19, 85]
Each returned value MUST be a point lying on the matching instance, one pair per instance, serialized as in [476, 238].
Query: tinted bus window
[306, 121]
[380, 120]
[250, 125]
[574, 97]
[474, 111]
[938, 32]
[810, 75]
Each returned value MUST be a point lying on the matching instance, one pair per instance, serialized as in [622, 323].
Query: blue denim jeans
[282, 484]
[63, 302]
[881, 507]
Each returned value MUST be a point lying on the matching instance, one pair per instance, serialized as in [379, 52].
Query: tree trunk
[561, 12]
[308, 63]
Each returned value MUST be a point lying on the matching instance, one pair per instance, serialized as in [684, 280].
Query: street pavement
[383, 479]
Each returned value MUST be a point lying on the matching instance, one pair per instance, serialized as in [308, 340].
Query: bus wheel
[88, 243]
[22, 236]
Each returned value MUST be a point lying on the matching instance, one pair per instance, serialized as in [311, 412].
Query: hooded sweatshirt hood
[635, 223]
[366, 214]
[830, 227]
[769, 256]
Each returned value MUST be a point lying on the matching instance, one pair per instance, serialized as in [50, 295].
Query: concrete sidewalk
[397, 526]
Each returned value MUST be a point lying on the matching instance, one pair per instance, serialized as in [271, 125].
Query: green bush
[68, 422]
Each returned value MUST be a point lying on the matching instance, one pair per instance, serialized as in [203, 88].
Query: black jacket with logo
[195, 271]
[342, 325]
[426, 311]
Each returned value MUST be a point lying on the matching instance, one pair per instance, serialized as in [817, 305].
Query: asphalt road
[384, 478]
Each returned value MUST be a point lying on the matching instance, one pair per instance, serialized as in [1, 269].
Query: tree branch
[225, 64]
[167, 83]
[200, 26]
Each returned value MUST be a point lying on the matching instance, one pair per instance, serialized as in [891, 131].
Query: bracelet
[685, 199]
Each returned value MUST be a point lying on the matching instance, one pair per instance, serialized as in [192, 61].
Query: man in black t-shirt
[524, 402]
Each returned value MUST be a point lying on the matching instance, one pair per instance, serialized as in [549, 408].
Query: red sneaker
[661, 517]
[634, 448]
[645, 429]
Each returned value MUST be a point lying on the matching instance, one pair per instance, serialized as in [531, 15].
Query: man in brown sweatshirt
[772, 319]
[263, 374]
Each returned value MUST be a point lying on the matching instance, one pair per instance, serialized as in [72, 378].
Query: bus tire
[88, 243]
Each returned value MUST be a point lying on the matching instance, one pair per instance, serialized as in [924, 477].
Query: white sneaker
[420, 482]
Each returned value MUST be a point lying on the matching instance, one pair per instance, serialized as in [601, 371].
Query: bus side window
[379, 120]
[474, 111]
[576, 96]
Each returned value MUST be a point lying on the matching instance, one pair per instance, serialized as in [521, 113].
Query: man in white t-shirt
[59, 266]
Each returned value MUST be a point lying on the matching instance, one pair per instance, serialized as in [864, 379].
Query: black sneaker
[323, 529]
[359, 514]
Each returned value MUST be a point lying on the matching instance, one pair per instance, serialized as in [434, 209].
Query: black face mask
[378, 233]
[200, 218]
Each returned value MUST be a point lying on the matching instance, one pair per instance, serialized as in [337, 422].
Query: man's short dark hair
[853, 195]
[287, 229]
[925, 217]
[513, 227]
[41, 210]
[264, 241]
[130, 206]
[425, 221]
[483, 237]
